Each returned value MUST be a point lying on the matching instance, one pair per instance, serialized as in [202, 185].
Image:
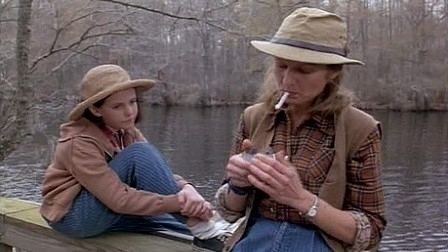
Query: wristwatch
[312, 212]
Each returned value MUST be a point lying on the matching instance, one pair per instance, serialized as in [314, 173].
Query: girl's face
[303, 81]
[119, 110]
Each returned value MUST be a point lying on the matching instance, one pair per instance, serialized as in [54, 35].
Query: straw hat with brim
[102, 81]
[310, 35]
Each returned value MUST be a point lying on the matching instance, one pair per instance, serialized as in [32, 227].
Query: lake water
[196, 142]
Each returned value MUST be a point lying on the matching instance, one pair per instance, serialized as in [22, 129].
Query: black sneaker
[212, 244]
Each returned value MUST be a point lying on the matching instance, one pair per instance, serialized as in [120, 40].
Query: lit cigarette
[282, 100]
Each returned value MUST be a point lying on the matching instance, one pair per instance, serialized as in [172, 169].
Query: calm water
[196, 142]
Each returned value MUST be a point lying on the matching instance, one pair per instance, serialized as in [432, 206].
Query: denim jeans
[277, 236]
[140, 165]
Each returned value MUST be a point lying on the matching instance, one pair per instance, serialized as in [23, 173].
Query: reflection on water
[415, 180]
[196, 142]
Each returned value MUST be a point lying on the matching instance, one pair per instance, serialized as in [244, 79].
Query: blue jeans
[276, 236]
[140, 165]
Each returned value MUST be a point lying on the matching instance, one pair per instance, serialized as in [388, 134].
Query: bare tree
[77, 35]
[24, 93]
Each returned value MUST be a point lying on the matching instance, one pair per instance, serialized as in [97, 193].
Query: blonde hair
[331, 100]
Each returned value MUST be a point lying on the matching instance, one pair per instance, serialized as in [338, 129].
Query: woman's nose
[288, 79]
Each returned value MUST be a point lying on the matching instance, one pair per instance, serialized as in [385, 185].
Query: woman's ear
[94, 110]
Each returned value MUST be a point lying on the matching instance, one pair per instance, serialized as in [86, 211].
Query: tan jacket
[80, 162]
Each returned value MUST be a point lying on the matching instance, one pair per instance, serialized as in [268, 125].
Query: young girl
[105, 176]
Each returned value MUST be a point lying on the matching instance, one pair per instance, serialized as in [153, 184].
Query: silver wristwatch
[311, 213]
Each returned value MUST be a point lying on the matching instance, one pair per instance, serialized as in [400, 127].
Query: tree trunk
[24, 93]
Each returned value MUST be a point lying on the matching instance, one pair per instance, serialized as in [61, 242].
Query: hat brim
[140, 84]
[301, 54]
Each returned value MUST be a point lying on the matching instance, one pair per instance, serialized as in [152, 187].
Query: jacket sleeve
[221, 194]
[364, 195]
[89, 167]
[221, 206]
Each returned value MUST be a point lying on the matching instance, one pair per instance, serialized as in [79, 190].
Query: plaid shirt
[310, 148]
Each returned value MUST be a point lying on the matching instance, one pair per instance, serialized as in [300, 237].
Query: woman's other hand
[237, 167]
[237, 171]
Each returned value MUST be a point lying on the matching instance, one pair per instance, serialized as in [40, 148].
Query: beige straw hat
[102, 81]
[310, 35]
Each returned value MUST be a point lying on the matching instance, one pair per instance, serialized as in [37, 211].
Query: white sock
[213, 228]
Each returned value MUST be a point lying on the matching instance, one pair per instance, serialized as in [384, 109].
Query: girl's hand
[193, 204]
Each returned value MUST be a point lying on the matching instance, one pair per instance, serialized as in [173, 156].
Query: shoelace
[223, 237]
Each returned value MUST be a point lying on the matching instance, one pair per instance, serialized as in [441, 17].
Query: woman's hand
[237, 171]
[278, 178]
[193, 204]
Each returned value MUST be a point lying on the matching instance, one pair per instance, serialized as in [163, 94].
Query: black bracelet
[189, 183]
[240, 190]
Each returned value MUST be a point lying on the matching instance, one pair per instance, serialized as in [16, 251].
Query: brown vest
[352, 128]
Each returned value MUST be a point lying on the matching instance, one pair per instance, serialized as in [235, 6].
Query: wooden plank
[22, 226]
[11, 205]
[37, 240]
[30, 216]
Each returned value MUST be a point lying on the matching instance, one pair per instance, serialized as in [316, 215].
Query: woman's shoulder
[257, 107]
[356, 125]
[354, 116]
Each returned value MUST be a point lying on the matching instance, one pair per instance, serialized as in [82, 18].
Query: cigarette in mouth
[282, 101]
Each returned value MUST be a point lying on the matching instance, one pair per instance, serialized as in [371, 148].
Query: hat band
[306, 45]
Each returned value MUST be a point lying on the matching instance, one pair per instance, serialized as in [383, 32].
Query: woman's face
[303, 81]
[119, 110]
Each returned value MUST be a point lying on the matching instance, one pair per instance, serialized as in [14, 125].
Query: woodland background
[199, 50]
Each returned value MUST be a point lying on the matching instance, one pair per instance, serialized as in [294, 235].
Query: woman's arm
[230, 204]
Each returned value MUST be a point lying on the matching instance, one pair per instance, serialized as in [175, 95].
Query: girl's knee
[139, 146]
[142, 148]
[144, 151]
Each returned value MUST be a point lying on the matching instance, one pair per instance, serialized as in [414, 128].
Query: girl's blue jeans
[140, 165]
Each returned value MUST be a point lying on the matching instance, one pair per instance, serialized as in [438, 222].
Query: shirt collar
[324, 123]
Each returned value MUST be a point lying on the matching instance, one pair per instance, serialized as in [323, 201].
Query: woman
[105, 176]
[321, 190]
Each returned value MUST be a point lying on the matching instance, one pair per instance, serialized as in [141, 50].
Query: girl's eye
[116, 106]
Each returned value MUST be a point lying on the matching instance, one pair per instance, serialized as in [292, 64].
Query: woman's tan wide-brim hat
[102, 81]
[310, 35]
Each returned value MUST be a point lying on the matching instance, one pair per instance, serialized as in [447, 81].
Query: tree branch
[85, 36]
[171, 15]
[136, 6]
[74, 53]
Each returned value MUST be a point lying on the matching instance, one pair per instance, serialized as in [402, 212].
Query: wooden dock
[22, 228]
